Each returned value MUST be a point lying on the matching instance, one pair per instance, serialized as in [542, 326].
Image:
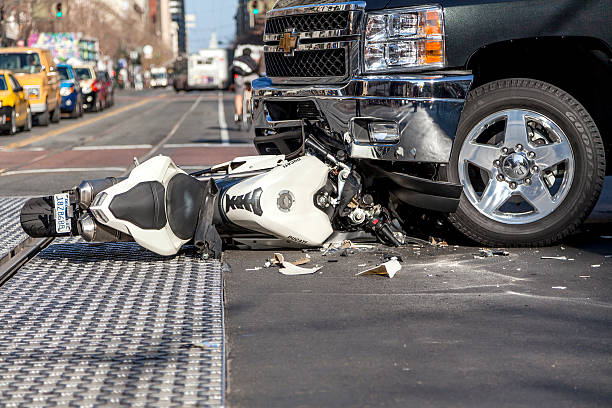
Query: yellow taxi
[37, 73]
[14, 105]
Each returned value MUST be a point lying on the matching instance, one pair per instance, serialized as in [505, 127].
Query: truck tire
[56, 116]
[43, 118]
[531, 161]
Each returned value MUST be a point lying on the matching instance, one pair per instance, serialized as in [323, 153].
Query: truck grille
[338, 20]
[306, 64]
[312, 43]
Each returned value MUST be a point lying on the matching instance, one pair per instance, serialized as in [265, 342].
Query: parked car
[37, 73]
[70, 90]
[15, 110]
[106, 81]
[94, 93]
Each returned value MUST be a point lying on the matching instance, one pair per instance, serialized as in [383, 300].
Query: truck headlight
[33, 91]
[404, 39]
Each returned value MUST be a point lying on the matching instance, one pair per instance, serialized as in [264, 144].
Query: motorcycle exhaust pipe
[88, 189]
[93, 231]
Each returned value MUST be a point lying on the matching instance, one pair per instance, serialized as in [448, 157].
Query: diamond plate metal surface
[112, 325]
[11, 233]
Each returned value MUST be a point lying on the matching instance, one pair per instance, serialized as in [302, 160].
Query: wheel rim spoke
[552, 154]
[516, 129]
[538, 196]
[494, 196]
[503, 195]
[480, 155]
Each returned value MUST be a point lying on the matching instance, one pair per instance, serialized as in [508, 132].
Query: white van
[208, 69]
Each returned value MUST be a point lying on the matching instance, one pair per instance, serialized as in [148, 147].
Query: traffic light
[254, 6]
[58, 10]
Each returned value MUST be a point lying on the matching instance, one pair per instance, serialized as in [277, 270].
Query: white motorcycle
[254, 201]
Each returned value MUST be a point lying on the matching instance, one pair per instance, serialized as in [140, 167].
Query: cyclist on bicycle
[244, 70]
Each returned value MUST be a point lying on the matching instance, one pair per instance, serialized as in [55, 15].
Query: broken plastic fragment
[559, 287]
[389, 268]
[288, 268]
[487, 253]
[558, 258]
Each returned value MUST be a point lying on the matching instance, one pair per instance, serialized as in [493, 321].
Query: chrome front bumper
[426, 109]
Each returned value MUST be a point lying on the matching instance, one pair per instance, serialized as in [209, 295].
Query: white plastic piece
[298, 222]
[163, 241]
[389, 268]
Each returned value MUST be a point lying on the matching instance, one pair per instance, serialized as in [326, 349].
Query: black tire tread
[37, 217]
[596, 154]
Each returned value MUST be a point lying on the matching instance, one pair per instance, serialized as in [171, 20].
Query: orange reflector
[432, 24]
[433, 52]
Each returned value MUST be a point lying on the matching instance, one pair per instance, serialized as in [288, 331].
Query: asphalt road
[447, 330]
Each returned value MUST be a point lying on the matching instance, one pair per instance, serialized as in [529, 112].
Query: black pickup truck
[496, 112]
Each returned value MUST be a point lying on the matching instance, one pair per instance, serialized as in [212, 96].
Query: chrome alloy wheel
[516, 166]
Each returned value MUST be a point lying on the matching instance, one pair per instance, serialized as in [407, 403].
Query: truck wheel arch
[573, 64]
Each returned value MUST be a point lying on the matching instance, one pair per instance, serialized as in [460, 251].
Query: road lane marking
[173, 131]
[113, 147]
[222, 123]
[3, 149]
[62, 170]
[56, 132]
[206, 144]
[581, 301]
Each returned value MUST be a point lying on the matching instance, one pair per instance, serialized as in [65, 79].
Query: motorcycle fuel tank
[280, 203]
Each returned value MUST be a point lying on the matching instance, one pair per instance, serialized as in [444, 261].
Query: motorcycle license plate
[62, 220]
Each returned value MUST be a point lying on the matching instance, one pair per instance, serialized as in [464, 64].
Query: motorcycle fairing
[280, 203]
[138, 206]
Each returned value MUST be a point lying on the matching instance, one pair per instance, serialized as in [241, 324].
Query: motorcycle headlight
[87, 89]
[66, 91]
[404, 39]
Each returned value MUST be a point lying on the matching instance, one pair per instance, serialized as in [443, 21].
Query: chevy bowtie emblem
[288, 43]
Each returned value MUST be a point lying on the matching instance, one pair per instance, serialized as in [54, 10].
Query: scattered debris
[558, 258]
[389, 268]
[302, 261]
[560, 287]
[438, 242]
[257, 268]
[388, 257]
[595, 266]
[290, 268]
[347, 252]
[487, 253]
[362, 265]
[585, 276]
